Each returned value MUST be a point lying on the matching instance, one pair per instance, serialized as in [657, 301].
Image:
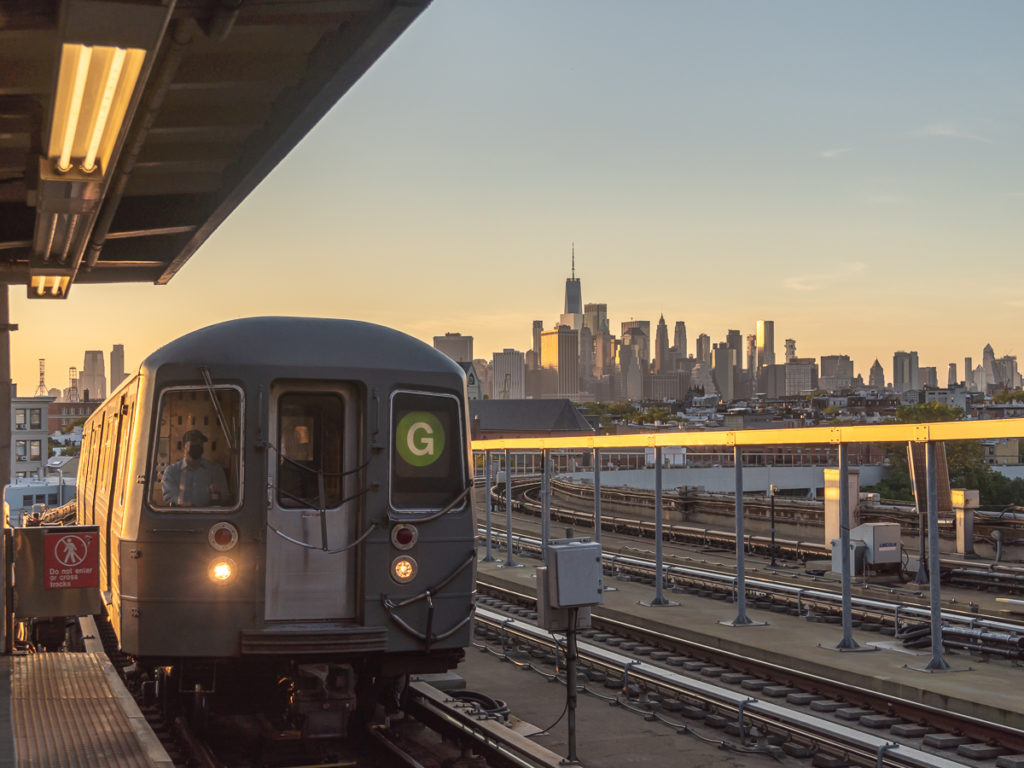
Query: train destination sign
[71, 560]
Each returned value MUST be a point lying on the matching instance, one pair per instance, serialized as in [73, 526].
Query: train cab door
[313, 501]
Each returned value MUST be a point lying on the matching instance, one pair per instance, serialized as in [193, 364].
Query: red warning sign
[71, 560]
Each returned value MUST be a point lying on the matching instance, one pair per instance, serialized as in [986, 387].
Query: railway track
[1006, 577]
[762, 704]
[902, 615]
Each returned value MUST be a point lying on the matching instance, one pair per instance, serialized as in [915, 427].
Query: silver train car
[285, 499]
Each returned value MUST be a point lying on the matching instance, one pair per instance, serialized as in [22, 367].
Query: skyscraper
[560, 353]
[117, 373]
[704, 349]
[458, 347]
[93, 378]
[680, 338]
[573, 293]
[509, 380]
[661, 347]
[905, 375]
[876, 378]
[595, 317]
[641, 341]
[790, 350]
[765, 342]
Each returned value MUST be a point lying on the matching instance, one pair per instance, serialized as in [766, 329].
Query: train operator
[195, 481]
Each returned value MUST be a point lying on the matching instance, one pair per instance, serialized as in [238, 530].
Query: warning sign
[71, 560]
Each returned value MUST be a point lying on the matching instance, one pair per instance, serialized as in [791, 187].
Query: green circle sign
[419, 438]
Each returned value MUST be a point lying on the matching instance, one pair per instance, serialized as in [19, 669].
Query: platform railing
[501, 455]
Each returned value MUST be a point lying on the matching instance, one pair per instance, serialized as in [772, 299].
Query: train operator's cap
[194, 436]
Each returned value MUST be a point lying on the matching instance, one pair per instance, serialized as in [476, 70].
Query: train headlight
[404, 536]
[403, 569]
[222, 536]
[222, 570]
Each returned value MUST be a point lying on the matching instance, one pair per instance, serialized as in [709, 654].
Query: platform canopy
[130, 130]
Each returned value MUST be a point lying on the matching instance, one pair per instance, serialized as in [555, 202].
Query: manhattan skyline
[852, 172]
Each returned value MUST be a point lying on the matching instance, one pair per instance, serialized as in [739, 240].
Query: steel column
[545, 504]
[597, 495]
[741, 577]
[508, 511]
[488, 557]
[847, 643]
[937, 661]
[659, 574]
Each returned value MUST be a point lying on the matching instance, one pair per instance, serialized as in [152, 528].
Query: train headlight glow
[222, 570]
[403, 569]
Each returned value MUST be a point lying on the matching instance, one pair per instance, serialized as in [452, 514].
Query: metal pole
[741, 580]
[570, 683]
[922, 523]
[508, 510]
[771, 492]
[597, 495]
[659, 575]
[545, 504]
[847, 642]
[937, 661]
[488, 557]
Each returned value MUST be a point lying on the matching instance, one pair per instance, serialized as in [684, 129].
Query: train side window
[427, 450]
[198, 468]
[309, 447]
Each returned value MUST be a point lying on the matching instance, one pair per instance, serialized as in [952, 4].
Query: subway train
[284, 510]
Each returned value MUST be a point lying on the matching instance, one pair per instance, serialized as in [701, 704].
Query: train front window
[197, 457]
[309, 455]
[427, 451]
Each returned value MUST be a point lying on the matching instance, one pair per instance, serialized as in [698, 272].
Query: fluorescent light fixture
[49, 286]
[94, 89]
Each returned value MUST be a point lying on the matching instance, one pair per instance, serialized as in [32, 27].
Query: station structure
[129, 131]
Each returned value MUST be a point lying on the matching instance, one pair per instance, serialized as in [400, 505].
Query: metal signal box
[575, 577]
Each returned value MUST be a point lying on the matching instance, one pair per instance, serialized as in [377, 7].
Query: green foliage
[966, 459]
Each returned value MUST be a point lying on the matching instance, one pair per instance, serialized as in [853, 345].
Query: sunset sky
[852, 171]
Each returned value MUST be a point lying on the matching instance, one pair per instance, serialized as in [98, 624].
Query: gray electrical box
[575, 577]
[556, 619]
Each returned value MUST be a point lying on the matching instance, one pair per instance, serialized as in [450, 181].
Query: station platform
[71, 710]
[985, 689]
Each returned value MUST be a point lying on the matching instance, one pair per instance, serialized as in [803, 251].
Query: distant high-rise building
[801, 375]
[641, 342]
[509, 375]
[723, 369]
[765, 342]
[905, 374]
[876, 378]
[560, 353]
[836, 372]
[951, 379]
[680, 338]
[538, 329]
[735, 341]
[988, 361]
[703, 352]
[93, 379]
[117, 373]
[458, 347]
[790, 350]
[573, 293]
[661, 347]
[595, 317]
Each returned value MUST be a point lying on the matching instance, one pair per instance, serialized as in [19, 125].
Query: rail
[869, 433]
